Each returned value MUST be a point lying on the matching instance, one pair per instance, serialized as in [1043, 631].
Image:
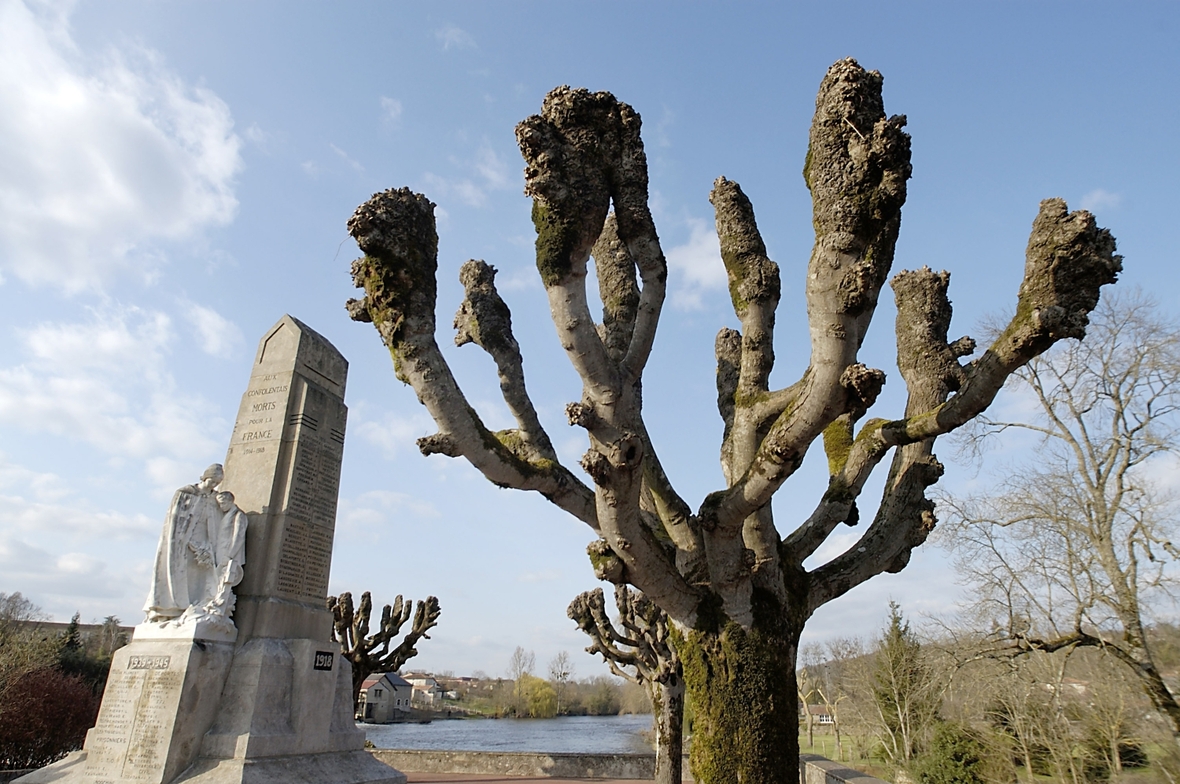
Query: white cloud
[452, 37]
[376, 510]
[352, 162]
[394, 434]
[258, 137]
[391, 110]
[218, 336]
[1099, 199]
[38, 571]
[102, 157]
[695, 268]
[45, 487]
[487, 171]
[491, 167]
[104, 382]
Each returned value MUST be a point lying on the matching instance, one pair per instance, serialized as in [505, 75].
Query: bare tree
[520, 671]
[824, 670]
[522, 663]
[110, 637]
[1072, 546]
[23, 647]
[561, 669]
[805, 687]
[370, 653]
[831, 687]
[640, 651]
[734, 587]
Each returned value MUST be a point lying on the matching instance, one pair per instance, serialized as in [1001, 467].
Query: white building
[384, 697]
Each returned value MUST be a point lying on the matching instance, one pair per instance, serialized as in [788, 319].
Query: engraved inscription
[315, 482]
[266, 391]
[323, 660]
[148, 662]
[131, 737]
[265, 394]
[305, 560]
[155, 714]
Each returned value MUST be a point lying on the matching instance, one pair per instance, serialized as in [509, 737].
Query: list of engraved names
[130, 741]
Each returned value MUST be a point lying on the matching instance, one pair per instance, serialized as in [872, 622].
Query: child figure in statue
[200, 556]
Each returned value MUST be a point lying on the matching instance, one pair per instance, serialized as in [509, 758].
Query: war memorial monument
[233, 676]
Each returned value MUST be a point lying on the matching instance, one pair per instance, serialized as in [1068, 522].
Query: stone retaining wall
[520, 763]
[813, 769]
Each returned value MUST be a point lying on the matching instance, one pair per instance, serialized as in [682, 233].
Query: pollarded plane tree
[370, 653]
[640, 650]
[734, 587]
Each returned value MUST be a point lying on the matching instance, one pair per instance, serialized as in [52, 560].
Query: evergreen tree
[956, 756]
[904, 689]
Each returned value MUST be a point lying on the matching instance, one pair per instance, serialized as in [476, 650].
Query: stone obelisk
[286, 711]
[268, 697]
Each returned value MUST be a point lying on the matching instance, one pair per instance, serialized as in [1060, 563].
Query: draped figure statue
[200, 556]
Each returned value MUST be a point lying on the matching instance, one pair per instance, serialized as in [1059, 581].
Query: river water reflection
[573, 734]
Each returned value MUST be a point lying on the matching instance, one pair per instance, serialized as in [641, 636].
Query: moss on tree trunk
[742, 686]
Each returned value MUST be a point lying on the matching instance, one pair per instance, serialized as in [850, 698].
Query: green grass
[825, 746]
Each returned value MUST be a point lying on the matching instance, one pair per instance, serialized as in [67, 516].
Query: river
[574, 734]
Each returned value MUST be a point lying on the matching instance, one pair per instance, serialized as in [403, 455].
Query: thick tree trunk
[667, 703]
[742, 684]
[358, 680]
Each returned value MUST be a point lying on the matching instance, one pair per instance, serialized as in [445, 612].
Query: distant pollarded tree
[370, 653]
[640, 651]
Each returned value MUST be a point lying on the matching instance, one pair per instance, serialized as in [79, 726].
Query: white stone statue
[200, 557]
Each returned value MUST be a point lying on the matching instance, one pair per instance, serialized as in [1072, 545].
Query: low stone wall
[520, 763]
[813, 769]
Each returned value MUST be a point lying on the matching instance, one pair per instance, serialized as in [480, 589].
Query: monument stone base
[176, 711]
[160, 698]
[162, 695]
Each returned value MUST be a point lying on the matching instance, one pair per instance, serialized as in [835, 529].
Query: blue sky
[174, 177]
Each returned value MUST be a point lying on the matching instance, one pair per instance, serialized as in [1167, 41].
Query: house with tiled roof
[384, 698]
[427, 692]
